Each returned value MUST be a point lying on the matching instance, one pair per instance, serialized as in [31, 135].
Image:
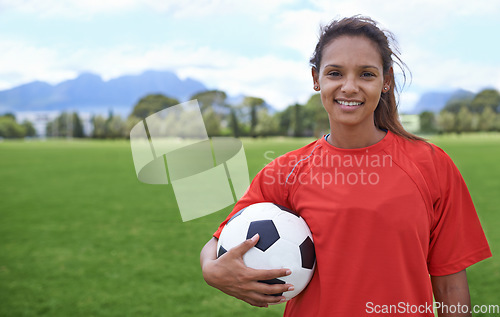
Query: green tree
[316, 116]
[298, 120]
[487, 119]
[485, 98]
[285, 121]
[65, 125]
[267, 125]
[77, 126]
[427, 122]
[496, 122]
[253, 104]
[29, 128]
[212, 122]
[234, 123]
[99, 127]
[51, 129]
[214, 109]
[9, 128]
[455, 105]
[130, 122]
[211, 99]
[151, 104]
[464, 120]
[446, 121]
[115, 127]
[9, 115]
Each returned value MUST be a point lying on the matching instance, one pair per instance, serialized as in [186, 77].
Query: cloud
[407, 101]
[279, 81]
[280, 75]
[299, 30]
[21, 62]
[260, 9]
[413, 16]
[175, 8]
[67, 8]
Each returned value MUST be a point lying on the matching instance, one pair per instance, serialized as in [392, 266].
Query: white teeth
[349, 103]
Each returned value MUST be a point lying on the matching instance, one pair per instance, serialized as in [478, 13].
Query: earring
[316, 87]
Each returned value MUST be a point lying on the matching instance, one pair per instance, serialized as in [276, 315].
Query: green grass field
[81, 236]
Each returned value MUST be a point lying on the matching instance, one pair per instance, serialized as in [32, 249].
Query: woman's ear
[388, 77]
[315, 77]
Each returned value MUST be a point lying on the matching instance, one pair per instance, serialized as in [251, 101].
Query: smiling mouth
[349, 103]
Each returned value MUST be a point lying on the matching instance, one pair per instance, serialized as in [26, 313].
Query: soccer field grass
[81, 236]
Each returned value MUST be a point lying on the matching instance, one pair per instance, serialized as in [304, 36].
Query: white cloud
[21, 62]
[433, 71]
[407, 101]
[412, 15]
[260, 9]
[299, 30]
[280, 82]
[178, 9]
[67, 8]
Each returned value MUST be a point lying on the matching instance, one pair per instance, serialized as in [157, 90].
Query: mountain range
[90, 93]
[434, 101]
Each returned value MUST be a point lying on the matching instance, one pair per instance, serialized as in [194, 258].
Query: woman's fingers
[243, 247]
[229, 274]
[271, 289]
[262, 300]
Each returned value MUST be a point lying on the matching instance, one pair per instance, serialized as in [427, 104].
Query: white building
[411, 122]
[40, 119]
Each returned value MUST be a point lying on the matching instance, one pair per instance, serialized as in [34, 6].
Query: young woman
[386, 209]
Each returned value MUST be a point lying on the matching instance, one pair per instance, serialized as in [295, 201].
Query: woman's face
[351, 81]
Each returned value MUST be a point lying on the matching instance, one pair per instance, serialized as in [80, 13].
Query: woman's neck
[347, 137]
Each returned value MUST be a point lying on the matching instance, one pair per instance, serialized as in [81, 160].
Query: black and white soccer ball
[285, 242]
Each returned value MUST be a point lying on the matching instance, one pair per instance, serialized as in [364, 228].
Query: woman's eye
[334, 74]
[368, 74]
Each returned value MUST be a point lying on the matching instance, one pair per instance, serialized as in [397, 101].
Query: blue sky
[258, 47]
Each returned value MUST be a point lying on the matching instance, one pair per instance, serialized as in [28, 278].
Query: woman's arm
[229, 274]
[452, 290]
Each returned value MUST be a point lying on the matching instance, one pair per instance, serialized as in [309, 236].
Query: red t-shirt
[382, 217]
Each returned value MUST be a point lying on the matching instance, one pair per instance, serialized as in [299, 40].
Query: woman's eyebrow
[362, 66]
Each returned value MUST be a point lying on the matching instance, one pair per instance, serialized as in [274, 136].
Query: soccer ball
[285, 242]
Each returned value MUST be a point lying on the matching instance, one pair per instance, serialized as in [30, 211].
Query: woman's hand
[229, 274]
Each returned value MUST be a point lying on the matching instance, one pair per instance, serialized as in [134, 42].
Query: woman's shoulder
[424, 153]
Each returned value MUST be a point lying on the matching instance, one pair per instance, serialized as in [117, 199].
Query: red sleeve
[267, 186]
[457, 239]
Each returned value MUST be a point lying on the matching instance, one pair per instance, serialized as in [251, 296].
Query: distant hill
[89, 93]
[435, 101]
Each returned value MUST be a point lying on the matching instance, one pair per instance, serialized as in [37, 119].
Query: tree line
[252, 117]
[10, 128]
[479, 113]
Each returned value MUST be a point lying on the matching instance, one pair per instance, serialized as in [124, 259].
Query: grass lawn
[81, 236]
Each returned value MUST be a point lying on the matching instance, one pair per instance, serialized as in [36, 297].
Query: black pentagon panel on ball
[268, 234]
[287, 210]
[274, 281]
[307, 253]
[236, 215]
[221, 251]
